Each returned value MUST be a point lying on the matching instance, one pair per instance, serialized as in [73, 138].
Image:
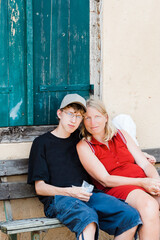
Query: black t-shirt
[55, 161]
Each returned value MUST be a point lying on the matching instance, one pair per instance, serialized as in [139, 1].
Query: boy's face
[70, 119]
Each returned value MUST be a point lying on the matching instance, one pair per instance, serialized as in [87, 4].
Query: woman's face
[94, 121]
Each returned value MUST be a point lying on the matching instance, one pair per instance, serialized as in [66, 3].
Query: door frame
[96, 21]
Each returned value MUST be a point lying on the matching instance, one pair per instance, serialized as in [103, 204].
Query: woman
[119, 168]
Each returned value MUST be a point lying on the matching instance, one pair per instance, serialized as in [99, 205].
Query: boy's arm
[45, 189]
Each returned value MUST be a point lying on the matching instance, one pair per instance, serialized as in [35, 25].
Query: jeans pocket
[64, 205]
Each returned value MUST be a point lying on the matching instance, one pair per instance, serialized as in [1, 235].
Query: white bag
[125, 122]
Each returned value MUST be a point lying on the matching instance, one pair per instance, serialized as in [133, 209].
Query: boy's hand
[80, 193]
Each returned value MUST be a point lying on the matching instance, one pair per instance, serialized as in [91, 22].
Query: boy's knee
[131, 213]
[92, 226]
[89, 231]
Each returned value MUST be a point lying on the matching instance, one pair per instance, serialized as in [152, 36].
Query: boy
[57, 173]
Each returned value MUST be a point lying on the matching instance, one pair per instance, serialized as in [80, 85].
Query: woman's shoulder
[83, 144]
[121, 135]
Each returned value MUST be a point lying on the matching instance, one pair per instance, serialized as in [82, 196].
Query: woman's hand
[80, 193]
[150, 158]
[151, 185]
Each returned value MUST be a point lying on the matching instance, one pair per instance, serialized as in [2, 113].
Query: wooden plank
[16, 190]
[29, 24]
[23, 133]
[59, 36]
[61, 88]
[50, 27]
[17, 62]
[28, 225]
[95, 46]
[13, 167]
[8, 210]
[158, 169]
[79, 43]
[7, 204]
[4, 88]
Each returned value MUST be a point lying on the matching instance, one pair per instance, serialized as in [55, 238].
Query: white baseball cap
[73, 98]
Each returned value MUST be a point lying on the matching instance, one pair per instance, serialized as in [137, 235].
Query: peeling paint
[14, 17]
[96, 12]
[15, 110]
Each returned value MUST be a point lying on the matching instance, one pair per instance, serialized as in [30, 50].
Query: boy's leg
[89, 232]
[115, 216]
[76, 215]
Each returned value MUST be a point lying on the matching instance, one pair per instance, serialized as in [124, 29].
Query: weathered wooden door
[44, 54]
[12, 63]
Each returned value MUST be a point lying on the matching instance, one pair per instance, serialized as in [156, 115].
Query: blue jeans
[109, 213]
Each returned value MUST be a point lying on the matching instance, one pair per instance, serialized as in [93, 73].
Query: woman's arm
[139, 157]
[96, 169]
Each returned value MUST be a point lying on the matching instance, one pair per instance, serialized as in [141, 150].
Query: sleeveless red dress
[118, 161]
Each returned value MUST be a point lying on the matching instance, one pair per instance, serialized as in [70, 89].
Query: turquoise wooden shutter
[43, 56]
[4, 87]
[12, 63]
[61, 54]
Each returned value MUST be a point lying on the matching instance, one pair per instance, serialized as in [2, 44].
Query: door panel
[13, 63]
[44, 55]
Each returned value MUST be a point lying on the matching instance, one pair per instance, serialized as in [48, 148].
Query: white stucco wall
[131, 64]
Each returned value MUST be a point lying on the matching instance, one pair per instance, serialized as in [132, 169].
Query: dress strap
[90, 145]
[122, 137]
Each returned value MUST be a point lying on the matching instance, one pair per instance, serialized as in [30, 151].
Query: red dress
[118, 161]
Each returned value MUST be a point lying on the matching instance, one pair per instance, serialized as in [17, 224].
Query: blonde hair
[110, 130]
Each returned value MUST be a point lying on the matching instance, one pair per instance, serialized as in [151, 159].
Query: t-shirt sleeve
[37, 167]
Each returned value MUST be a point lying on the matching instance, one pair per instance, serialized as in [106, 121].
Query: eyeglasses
[72, 115]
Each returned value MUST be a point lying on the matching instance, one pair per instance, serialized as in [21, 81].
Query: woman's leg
[148, 208]
[89, 232]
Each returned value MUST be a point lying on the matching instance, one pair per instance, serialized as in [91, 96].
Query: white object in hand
[88, 187]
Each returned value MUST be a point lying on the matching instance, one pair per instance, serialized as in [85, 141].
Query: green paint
[3, 64]
[53, 88]
[66, 68]
[8, 216]
[35, 236]
[29, 21]
[6, 90]
[17, 62]
[43, 56]
[12, 237]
